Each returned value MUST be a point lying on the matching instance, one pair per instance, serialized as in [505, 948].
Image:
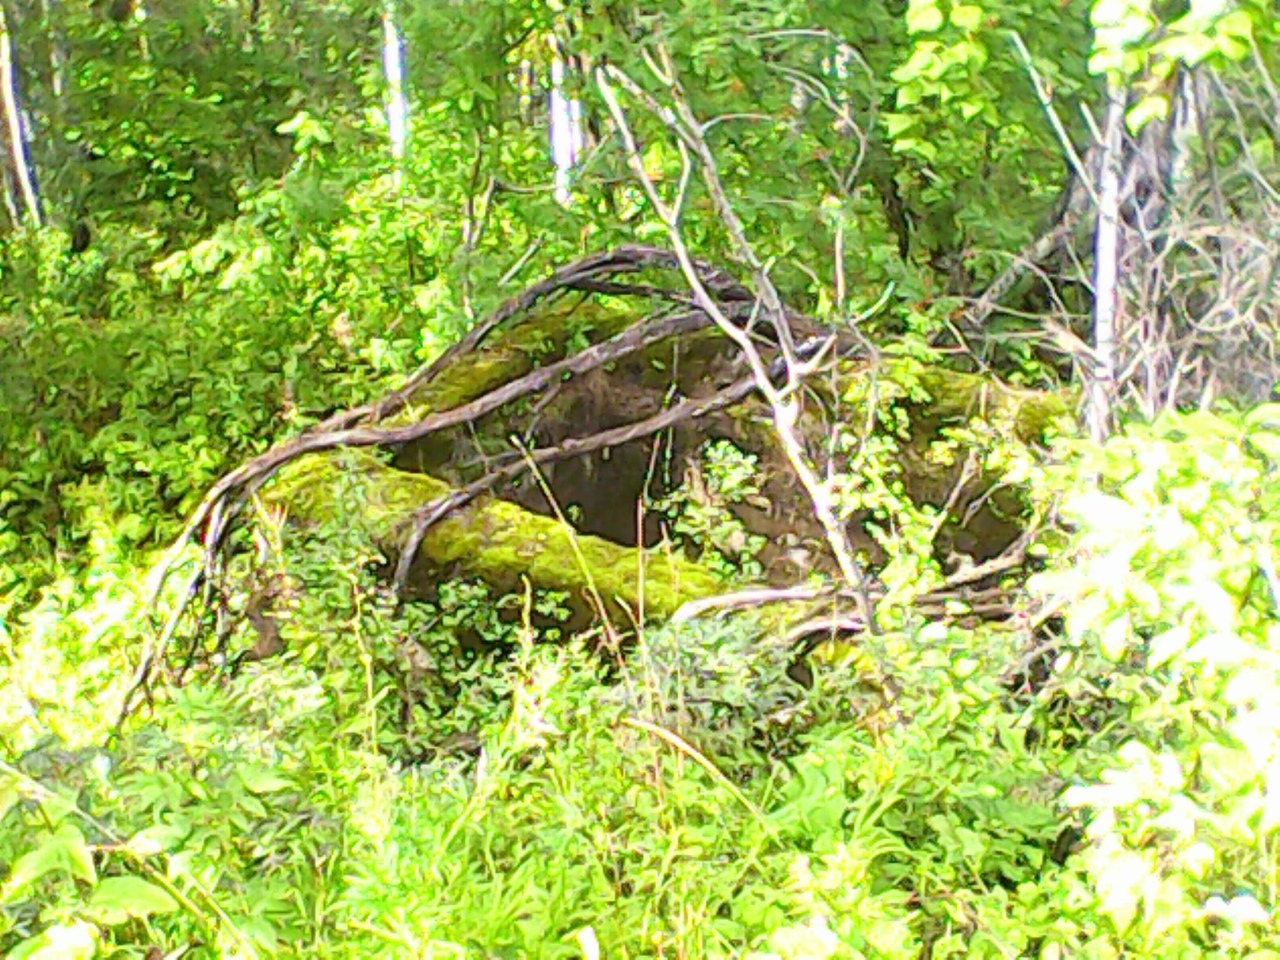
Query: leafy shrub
[1173, 607]
[700, 510]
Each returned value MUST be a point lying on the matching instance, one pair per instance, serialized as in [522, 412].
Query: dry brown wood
[432, 513]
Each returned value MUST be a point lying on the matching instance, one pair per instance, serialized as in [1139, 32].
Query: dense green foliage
[466, 775]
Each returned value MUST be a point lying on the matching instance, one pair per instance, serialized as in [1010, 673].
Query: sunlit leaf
[263, 779]
[966, 16]
[923, 16]
[66, 852]
[117, 899]
[72, 941]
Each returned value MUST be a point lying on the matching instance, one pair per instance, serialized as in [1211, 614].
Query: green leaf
[1235, 32]
[10, 790]
[1116, 638]
[156, 839]
[1190, 48]
[294, 123]
[896, 124]
[915, 145]
[923, 16]
[1155, 107]
[117, 899]
[1266, 416]
[966, 16]
[1267, 444]
[64, 852]
[1263, 149]
[262, 779]
[1169, 644]
[972, 844]
[1108, 12]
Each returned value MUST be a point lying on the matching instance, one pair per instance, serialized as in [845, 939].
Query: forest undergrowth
[1067, 747]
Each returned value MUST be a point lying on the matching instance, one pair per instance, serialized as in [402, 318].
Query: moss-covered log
[489, 539]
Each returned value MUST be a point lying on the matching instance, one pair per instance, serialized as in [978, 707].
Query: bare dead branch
[783, 403]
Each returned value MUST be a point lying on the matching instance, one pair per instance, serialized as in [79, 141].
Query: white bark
[1106, 271]
[15, 135]
[397, 106]
[1182, 127]
[567, 138]
[6, 193]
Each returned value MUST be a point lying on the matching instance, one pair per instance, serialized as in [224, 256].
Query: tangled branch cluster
[371, 425]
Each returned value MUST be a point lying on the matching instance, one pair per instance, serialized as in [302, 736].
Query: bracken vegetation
[756, 478]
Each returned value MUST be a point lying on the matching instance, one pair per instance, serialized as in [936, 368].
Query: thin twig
[1046, 101]
[784, 404]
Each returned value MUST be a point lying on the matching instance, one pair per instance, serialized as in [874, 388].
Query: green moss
[939, 396]
[499, 542]
[961, 396]
[504, 544]
[542, 338]
[312, 488]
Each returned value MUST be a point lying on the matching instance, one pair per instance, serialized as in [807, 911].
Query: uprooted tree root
[522, 370]
[375, 425]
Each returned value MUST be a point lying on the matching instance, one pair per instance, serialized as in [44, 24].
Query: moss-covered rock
[1029, 414]
[939, 396]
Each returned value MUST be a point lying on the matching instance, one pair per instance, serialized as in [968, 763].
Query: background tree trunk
[1102, 374]
[18, 175]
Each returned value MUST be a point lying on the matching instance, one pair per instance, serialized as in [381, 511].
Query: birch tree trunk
[19, 177]
[397, 105]
[1102, 378]
[566, 129]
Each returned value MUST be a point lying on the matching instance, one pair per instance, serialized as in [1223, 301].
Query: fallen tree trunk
[490, 539]
[586, 385]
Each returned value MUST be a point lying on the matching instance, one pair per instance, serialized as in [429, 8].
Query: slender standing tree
[20, 187]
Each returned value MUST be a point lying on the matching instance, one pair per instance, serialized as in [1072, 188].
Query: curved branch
[216, 515]
[432, 513]
[340, 430]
